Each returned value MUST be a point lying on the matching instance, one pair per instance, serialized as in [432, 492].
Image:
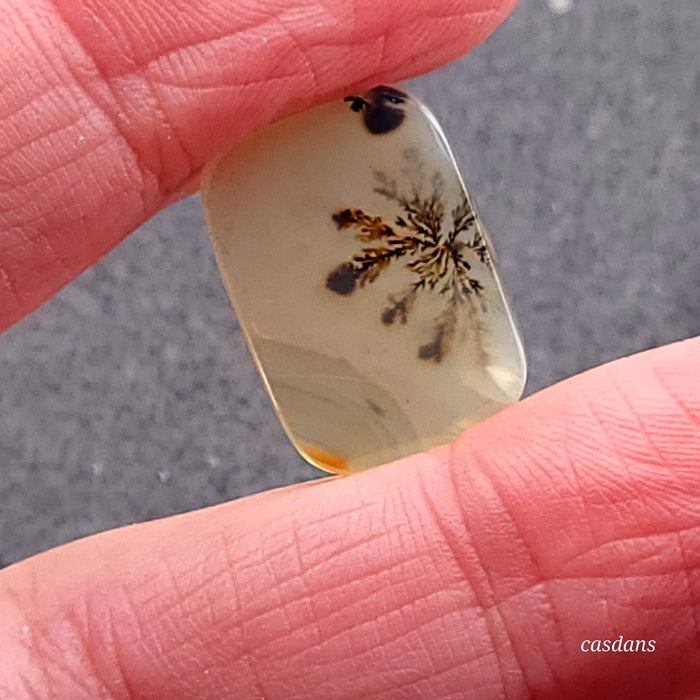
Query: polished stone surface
[364, 280]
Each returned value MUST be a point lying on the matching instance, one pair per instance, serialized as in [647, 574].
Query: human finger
[478, 570]
[109, 109]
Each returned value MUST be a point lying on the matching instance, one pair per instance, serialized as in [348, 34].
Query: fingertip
[151, 91]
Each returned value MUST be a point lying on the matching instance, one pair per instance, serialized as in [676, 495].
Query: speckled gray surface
[132, 396]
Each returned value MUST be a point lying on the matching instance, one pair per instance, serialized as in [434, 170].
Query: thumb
[109, 109]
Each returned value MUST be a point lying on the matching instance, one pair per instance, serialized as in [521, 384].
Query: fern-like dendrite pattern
[438, 250]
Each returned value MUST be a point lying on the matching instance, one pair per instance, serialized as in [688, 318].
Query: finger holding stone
[476, 570]
[109, 110]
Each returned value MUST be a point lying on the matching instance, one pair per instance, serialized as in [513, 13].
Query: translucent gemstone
[364, 280]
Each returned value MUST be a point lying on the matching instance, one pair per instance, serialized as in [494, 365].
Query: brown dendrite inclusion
[437, 249]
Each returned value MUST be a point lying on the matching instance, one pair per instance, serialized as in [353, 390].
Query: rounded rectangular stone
[364, 280]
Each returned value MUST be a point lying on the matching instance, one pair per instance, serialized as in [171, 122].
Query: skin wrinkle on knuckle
[119, 648]
[79, 649]
[656, 458]
[20, 676]
[500, 589]
[306, 591]
[641, 551]
[15, 115]
[18, 214]
[657, 479]
[91, 79]
[78, 625]
[26, 113]
[608, 488]
[46, 669]
[442, 562]
[613, 497]
[158, 151]
[205, 593]
[289, 594]
[454, 532]
[121, 98]
[235, 626]
[620, 462]
[505, 647]
[43, 124]
[286, 28]
[366, 584]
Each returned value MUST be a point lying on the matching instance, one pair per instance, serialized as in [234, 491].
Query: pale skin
[474, 571]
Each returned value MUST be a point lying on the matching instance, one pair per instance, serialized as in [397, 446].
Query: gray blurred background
[132, 396]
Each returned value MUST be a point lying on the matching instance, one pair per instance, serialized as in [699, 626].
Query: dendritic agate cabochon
[364, 280]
